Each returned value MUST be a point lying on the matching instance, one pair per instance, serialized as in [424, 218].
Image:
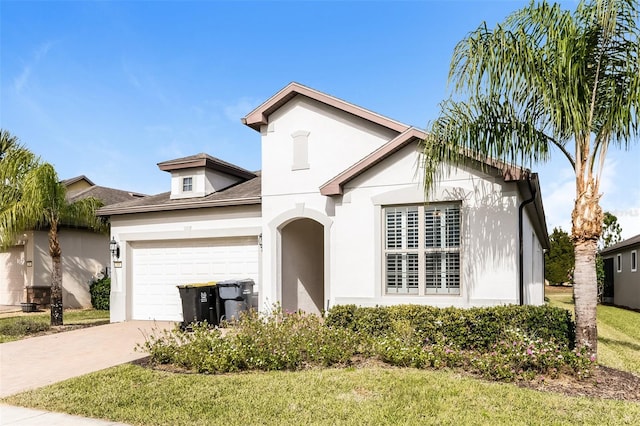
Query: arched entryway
[302, 268]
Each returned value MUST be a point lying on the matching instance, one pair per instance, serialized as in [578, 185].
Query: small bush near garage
[100, 291]
[273, 341]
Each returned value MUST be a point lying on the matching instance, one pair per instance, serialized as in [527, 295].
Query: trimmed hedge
[470, 328]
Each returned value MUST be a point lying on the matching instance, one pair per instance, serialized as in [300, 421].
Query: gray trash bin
[236, 296]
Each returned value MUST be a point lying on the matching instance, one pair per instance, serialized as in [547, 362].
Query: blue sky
[109, 89]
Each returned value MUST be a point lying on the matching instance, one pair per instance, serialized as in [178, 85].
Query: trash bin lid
[196, 285]
[228, 283]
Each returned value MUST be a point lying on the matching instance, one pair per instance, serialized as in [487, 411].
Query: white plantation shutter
[402, 237]
[427, 260]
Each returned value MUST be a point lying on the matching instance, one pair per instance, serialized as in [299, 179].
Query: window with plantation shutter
[422, 249]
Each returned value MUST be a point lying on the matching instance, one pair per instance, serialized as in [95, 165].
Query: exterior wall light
[114, 248]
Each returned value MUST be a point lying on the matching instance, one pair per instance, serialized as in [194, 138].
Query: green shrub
[22, 326]
[274, 341]
[473, 328]
[100, 291]
[501, 343]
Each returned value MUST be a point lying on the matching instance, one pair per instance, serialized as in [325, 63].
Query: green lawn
[22, 325]
[139, 396]
[618, 331]
[353, 396]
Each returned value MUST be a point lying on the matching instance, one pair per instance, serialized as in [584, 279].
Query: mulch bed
[606, 383]
[67, 327]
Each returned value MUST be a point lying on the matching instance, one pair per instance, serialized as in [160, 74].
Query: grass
[22, 325]
[353, 396]
[618, 331]
[139, 396]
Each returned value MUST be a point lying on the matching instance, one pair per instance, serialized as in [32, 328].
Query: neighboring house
[337, 215]
[621, 272]
[25, 269]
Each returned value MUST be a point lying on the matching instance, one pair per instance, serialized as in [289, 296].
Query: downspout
[520, 239]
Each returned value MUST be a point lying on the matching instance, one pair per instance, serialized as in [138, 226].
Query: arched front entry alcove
[302, 268]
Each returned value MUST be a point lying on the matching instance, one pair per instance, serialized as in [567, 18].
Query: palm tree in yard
[36, 199]
[548, 81]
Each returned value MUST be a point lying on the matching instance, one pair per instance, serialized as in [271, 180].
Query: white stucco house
[336, 215]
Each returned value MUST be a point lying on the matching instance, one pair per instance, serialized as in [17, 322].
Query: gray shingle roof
[106, 195]
[635, 240]
[72, 180]
[244, 193]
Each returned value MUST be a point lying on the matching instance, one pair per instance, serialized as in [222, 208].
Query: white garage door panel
[158, 267]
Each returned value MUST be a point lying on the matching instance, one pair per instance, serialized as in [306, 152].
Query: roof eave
[209, 163]
[106, 211]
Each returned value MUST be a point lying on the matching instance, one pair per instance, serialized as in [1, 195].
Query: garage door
[158, 267]
[12, 276]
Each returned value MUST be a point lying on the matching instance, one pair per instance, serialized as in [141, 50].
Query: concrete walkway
[18, 416]
[39, 361]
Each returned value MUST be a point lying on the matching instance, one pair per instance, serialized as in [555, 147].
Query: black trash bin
[235, 296]
[199, 303]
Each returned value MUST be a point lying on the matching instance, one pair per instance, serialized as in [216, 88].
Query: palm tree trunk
[56, 276]
[585, 293]
[587, 226]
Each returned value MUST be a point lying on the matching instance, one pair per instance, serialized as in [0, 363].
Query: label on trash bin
[203, 297]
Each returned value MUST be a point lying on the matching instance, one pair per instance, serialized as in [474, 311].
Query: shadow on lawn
[619, 343]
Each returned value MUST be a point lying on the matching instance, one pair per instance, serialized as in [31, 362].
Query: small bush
[274, 341]
[22, 326]
[100, 291]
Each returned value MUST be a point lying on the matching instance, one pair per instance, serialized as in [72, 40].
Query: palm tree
[38, 201]
[548, 81]
[15, 160]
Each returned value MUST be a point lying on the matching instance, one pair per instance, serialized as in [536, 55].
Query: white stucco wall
[204, 182]
[489, 269]
[533, 265]
[336, 140]
[353, 222]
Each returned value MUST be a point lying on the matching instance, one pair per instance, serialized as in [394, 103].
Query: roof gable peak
[260, 115]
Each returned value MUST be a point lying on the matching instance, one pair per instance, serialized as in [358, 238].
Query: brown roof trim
[260, 115]
[335, 185]
[206, 161]
[113, 211]
[509, 172]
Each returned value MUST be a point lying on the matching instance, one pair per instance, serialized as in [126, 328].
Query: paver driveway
[39, 361]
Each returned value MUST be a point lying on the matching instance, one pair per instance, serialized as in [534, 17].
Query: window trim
[423, 252]
[619, 262]
[190, 184]
[634, 260]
